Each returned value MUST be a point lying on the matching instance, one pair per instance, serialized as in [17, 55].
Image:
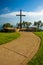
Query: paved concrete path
[19, 51]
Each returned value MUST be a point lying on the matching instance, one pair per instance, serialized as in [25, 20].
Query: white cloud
[9, 14]
[34, 14]
[30, 16]
[25, 13]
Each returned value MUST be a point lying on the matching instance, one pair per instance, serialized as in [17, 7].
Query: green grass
[38, 58]
[6, 37]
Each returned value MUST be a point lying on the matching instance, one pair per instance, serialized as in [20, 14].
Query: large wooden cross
[20, 18]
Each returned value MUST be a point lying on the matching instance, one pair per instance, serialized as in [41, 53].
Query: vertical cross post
[20, 18]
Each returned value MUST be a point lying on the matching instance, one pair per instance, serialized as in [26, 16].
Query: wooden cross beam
[20, 18]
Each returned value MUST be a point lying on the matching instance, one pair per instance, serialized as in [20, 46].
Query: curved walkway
[19, 51]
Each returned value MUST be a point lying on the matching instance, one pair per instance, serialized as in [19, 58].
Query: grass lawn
[38, 58]
[6, 37]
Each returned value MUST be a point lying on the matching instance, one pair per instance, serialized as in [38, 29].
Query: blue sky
[33, 9]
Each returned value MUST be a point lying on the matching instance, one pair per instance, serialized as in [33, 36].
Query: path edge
[32, 53]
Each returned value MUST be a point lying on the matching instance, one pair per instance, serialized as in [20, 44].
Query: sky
[33, 9]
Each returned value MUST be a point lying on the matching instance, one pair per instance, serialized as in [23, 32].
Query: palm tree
[38, 24]
[23, 24]
[41, 24]
[18, 25]
[28, 24]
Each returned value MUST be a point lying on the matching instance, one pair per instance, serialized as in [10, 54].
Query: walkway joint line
[16, 52]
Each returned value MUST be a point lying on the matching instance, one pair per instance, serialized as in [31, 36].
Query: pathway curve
[19, 51]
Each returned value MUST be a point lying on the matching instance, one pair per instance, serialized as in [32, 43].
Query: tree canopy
[7, 25]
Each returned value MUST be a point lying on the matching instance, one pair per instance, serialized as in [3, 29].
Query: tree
[18, 25]
[6, 25]
[41, 24]
[28, 24]
[23, 24]
[38, 24]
